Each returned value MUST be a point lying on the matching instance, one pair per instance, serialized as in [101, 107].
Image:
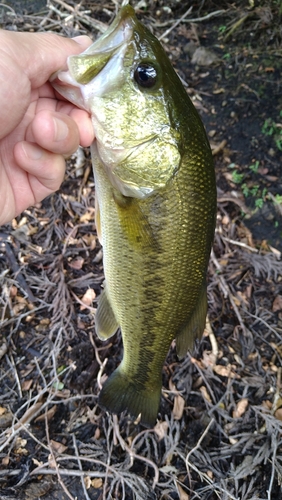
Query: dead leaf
[64, 393]
[58, 447]
[23, 221]
[26, 385]
[76, 263]
[20, 305]
[278, 402]
[29, 414]
[97, 482]
[210, 474]
[13, 291]
[169, 469]
[208, 359]
[221, 90]
[37, 462]
[277, 303]
[204, 57]
[243, 297]
[19, 448]
[88, 216]
[178, 407]
[2, 410]
[3, 349]
[90, 240]
[51, 462]
[278, 414]
[225, 221]
[161, 429]
[182, 494]
[36, 490]
[45, 321]
[88, 298]
[87, 482]
[80, 324]
[49, 414]
[232, 440]
[97, 433]
[240, 408]
[171, 385]
[32, 230]
[205, 394]
[6, 460]
[224, 371]
[212, 133]
[6, 420]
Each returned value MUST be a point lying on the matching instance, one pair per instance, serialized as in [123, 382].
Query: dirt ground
[219, 429]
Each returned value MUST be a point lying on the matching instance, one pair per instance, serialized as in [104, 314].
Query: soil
[219, 427]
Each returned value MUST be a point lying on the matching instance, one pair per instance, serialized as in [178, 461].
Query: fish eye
[145, 75]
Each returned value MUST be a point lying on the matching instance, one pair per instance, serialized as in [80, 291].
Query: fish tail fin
[120, 393]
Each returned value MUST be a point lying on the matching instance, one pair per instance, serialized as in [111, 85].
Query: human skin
[38, 129]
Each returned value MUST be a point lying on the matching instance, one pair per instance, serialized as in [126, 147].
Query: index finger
[40, 54]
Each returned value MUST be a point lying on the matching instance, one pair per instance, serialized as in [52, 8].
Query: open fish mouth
[99, 69]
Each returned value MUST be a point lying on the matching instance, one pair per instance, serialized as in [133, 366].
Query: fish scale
[156, 205]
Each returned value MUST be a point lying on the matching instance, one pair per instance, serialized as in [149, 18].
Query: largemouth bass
[155, 205]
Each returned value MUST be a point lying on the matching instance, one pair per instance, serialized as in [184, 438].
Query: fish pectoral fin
[194, 327]
[134, 222]
[120, 392]
[105, 320]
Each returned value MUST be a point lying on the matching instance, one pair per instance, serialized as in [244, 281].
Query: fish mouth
[88, 73]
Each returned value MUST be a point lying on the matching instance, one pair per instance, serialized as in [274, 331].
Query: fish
[155, 210]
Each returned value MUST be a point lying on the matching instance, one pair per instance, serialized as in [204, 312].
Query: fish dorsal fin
[105, 320]
[194, 327]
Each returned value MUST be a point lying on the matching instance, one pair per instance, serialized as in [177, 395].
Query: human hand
[37, 128]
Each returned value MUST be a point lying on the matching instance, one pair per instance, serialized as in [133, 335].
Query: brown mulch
[218, 434]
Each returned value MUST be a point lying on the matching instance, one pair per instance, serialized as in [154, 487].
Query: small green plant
[222, 29]
[245, 190]
[271, 128]
[259, 195]
[278, 199]
[237, 177]
[268, 127]
[254, 168]
[254, 190]
[259, 202]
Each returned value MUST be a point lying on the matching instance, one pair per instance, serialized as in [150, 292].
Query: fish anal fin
[105, 322]
[194, 327]
[120, 393]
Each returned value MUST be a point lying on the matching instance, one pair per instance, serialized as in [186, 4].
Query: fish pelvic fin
[105, 321]
[194, 327]
[120, 393]
[98, 220]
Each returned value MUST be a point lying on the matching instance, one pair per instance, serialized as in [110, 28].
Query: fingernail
[61, 130]
[32, 151]
[82, 40]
